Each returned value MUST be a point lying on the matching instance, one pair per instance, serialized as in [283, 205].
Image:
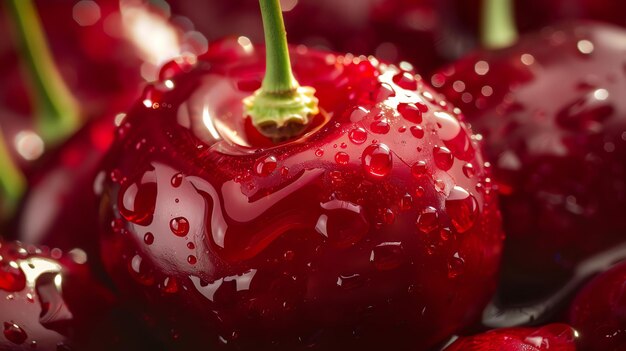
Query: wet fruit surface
[553, 337]
[348, 236]
[551, 113]
[598, 311]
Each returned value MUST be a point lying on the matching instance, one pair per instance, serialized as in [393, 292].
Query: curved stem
[498, 29]
[56, 109]
[281, 108]
[12, 181]
[495, 316]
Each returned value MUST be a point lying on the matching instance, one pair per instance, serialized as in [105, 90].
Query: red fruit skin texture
[553, 337]
[599, 311]
[551, 111]
[343, 237]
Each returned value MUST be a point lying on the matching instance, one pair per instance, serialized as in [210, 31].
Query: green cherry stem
[498, 29]
[57, 112]
[281, 108]
[12, 182]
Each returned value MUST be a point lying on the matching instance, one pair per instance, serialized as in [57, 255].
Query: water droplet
[11, 277]
[387, 256]
[342, 223]
[405, 80]
[428, 220]
[342, 158]
[148, 238]
[265, 166]
[418, 169]
[358, 113]
[443, 158]
[191, 259]
[388, 216]
[440, 185]
[319, 152]
[419, 191]
[377, 160]
[383, 92]
[140, 270]
[358, 135]
[191, 245]
[177, 180]
[170, 285]
[412, 112]
[350, 281]
[137, 200]
[380, 127]
[179, 226]
[417, 131]
[14, 333]
[406, 202]
[462, 208]
[456, 266]
[468, 170]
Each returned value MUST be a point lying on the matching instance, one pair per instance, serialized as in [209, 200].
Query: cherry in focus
[551, 113]
[553, 337]
[375, 228]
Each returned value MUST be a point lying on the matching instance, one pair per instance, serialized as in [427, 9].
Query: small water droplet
[137, 200]
[140, 270]
[462, 208]
[179, 226]
[14, 333]
[191, 259]
[419, 191]
[412, 112]
[417, 131]
[380, 127]
[148, 238]
[468, 170]
[11, 277]
[358, 135]
[377, 160]
[170, 285]
[406, 202]
[456, 266]
[443, 158]
[388, 216]
[191, 245]
[418, 169]
[319, 152]
[428, 220]
[265, 166]
[177, 180]
[405, 80]
[342, 158]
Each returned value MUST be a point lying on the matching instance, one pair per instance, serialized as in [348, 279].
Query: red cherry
[553, 337]
[598, 311]
[558, 158]
[310, 243]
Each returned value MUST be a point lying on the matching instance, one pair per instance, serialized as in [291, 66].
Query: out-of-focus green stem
[12, 181]
[498, 29]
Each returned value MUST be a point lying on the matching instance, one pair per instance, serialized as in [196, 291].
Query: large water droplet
[387, 256]
[358, 135]
[179, 226]
[11, 277]
[428, 220]
[14, 333]
[342, 223]
[417, 131]
[137, 200]
[412, 112]
[177, 180]
[443, 158]
[380, 127]
[265, 166]
[462, 208]
[377, 160]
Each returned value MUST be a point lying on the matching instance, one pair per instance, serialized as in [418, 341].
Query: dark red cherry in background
[376, 228]
[552, 337]
[550, 109]
[598, 311]
[49, 300]
[422, 32]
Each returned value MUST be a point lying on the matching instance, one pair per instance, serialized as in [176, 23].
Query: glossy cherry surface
[553, 337]
[551, 113]
[376, 228]
[598, 311]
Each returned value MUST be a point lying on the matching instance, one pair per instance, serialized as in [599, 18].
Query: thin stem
[282, 108]
[498, 24]
[56, 109]
[12, 181]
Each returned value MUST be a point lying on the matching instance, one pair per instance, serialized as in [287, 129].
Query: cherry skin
[553, 337]
[598, 311]
[551, 112]
[363, 232]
